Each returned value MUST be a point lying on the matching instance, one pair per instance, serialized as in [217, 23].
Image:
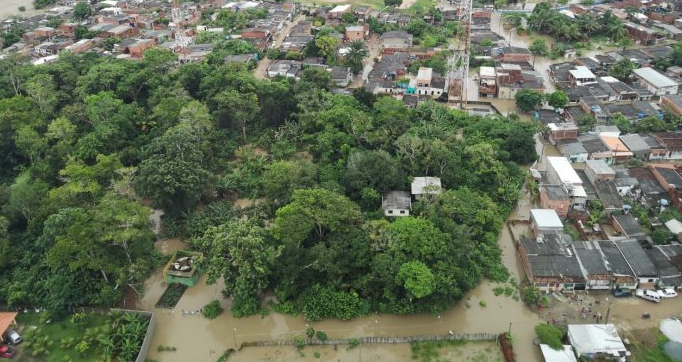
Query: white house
[563, 355]
[655, 82]
[560, 172]
[426, 185]
[543, 220]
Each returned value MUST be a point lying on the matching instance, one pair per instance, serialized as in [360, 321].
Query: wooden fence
[376, 340]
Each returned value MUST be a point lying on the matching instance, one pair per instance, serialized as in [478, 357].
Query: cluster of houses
[625, 257]
[138, 25]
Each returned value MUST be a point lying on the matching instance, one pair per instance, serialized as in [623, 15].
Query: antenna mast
[458, 64]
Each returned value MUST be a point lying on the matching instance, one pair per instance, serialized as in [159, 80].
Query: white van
[649, 295]
[12, 337]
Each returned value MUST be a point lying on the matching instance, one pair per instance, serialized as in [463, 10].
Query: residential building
[560, 172]
[555, 197]
[396, 40]
[672, 141]
[426, 185]
[598, 276]
[628, 226]
[487, 82]
[598, 171]
[637, 145]
[672, 103]
[597, 341]
[581, 75]
[563, 355]
[357, 32]
[574, 152]
[669, 276]
[655, 82]
[562, 131]
[396, 203]
[545, 220]
[550, 263]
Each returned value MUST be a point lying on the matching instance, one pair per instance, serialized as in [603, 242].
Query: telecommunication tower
[458, 63]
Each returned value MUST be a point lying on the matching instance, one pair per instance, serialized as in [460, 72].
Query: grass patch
[430, 351]
[375, 4]
[59, 338]
[650, 349]
[420, 7]
[171, 296]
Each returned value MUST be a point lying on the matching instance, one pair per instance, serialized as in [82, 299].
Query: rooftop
[608, 194]
[396, 200]
[629, 224]
[635, 142]
[581, 72]
[600, 167]
[546, 218]
[423, 185]
[636, 257]
[596, 338]
[554, 192]
[653, 77]
[550, 255]
[671, 177]
[564, 170]
[591, 258]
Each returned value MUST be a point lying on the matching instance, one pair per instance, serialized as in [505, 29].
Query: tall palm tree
[588, 24]
[356, 53]
[616, 30]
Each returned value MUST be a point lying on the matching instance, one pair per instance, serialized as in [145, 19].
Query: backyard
[80, 337]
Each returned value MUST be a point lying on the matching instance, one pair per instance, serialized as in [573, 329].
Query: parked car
[622, 293]
[667, 293]
[6, 352]
[13, 337]
[650, 295]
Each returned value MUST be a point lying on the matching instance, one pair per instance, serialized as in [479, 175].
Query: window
[402, 212]
[390, 211]
[651, 280]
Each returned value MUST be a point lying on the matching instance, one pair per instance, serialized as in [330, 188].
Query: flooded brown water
[11, 7]
[198, 339]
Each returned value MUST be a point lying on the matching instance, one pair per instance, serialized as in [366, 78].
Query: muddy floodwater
[200, 340]
[11, 7]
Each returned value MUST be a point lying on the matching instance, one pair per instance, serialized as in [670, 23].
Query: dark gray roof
[652, 142]
[396, 200]
[636, 257]
[662, 263]
[629, 224]
[587, 185]
[591, 257]
[572, 148]
[555, 192]
[616, 261]
[552, 256]
[671, 177]
[635, 143]
[592, 143]
[608, 194]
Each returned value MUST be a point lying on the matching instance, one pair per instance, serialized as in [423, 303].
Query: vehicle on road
[667, 293]
[622, 293]
[649, 295]
[6, 352]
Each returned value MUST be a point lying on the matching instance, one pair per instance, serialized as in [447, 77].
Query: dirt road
[261, 71]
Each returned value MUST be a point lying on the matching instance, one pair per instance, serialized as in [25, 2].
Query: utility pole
[608, 312]
[234, 336]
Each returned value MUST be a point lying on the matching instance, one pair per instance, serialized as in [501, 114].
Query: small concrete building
[544, 220]
[637, 145]
[597, 340]
[598, 171]
[574, 152]
[627, 226]
[396, 203]
[581, 75]
[555, 197]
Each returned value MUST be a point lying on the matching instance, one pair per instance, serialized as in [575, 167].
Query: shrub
[483, 303]
[79, 319]
[299, 343]
[212, 310]
[317, 354]
[310, 332]
[321, 335]
[353, 342]
[550, 335]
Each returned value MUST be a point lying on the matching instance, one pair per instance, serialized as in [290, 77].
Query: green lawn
[57, 331]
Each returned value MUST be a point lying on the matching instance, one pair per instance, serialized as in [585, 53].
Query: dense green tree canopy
[278, 182]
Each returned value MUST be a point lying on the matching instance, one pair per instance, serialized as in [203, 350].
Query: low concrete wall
[146, 343]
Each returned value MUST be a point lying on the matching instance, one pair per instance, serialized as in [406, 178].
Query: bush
[550, 335]
[79, 319]
[212, 310]
[299, 343]
[171, 296]
[310, 332]
[353, 342]
[322, 302]
[321, 335]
